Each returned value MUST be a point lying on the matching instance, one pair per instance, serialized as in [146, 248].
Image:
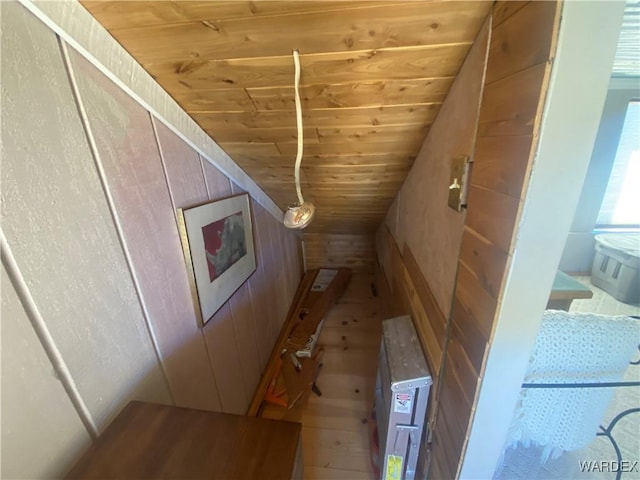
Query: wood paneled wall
[517, 69]
[91, 182]
[356, 252]
[420, 262]
[522, 46]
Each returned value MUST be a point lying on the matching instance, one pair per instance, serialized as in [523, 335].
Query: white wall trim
[77, 27]
[577, 90]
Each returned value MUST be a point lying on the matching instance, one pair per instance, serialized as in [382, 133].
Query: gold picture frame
[218, 248]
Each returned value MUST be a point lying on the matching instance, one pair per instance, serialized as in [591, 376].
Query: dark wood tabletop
[155, 441]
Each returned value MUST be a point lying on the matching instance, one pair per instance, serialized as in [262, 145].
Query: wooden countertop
[156, 441]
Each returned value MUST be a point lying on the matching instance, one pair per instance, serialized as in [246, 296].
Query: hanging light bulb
[300, 215]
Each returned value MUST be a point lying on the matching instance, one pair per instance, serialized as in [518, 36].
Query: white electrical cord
[296, 60]
[298, 216]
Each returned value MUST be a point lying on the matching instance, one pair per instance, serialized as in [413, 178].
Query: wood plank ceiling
[374, 75]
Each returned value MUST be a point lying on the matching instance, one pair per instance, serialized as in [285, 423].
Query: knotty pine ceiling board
[374, 75]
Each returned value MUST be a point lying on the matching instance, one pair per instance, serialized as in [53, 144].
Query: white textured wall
[30, 391]
[90, 183]
[59, 228]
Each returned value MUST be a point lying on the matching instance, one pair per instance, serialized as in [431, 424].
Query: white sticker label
[402, 402]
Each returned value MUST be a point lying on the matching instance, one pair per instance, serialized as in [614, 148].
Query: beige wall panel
[35, 442]
[278, 274]
[187, 187]
[256, 288]
[58, 223]
[246, 337]
[260, 295]
[129, 156]
[226, 362]
[183, 168]
[218, 184]
[266, 259]
[432, 230]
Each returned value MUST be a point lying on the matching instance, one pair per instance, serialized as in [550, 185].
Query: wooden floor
[335, 426]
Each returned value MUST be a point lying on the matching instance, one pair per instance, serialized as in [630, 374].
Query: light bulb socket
[299, 216]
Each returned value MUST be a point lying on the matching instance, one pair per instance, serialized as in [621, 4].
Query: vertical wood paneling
[187, 187]
[246, 337]
[58, 224]
[517, 68]
[356, 252]
[424, 194]
[225, 361]
[521, 40]
[129, 156]
[27, 385]
[517, 73]
[258, 285]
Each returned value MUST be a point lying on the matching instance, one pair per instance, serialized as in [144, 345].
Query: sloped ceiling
[374, 75]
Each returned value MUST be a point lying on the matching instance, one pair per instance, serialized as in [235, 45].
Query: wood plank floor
[335, 430]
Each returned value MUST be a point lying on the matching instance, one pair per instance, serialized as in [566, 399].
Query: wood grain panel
[364, 64]
[334, 251]
[412, 134]
[475, 299]
[353, 94]
[331, 149]
[288, 133]
[431, 345]
[329, 118]
[425, 192]
[125, 14]
[470, 335]
[504, 9]
[510, 105]
[397, 25]
[343, 67]
[517, 73]
[373, 160]
[435, 316]
[331, 171]
[521, 41]
[499, 163]
[492, 215]
[157, 441]
[223, 100]
[484, 259]
[441, 465]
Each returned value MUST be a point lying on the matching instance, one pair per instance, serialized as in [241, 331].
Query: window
[621, 204]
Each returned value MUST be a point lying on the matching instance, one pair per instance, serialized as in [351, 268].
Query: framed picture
[217, 241]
